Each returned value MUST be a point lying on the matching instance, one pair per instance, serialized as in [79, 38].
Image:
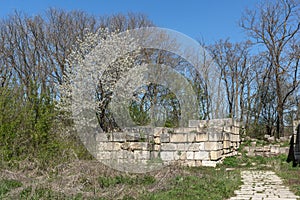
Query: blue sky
[206, 20]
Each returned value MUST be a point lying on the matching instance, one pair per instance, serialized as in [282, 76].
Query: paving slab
[262, 185]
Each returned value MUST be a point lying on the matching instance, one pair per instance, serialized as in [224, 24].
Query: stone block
[209, 163]
[215, 136]
[201, 155]
[178, 137]
[275, 149]
[118, 137]
[104, 155]
[157, 131]
[185, 130]
[226, 144]
[157, 140]
[133, 137]
[156, 147]
[141, 155]
[191, 137]
[226, 136]
[182, 146]
[190, 155]
[216, 155]
[132, 146]
[102, 137]
[195, 146]
[167, 155]
[117, 146]
[182, 156]
[213, 146]
[105, 146]
[165, 137]
[168, 147]
[201, 137]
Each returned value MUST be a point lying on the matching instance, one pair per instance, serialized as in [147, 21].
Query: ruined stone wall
[203, 143]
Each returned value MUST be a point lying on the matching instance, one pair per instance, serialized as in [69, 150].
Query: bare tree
[275, 27]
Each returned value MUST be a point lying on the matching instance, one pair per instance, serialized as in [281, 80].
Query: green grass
[7, 185]
[213, 184]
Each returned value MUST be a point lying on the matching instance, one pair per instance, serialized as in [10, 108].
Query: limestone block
[226, 136]
[103, 155]
[154, 154]
[226, 144]
[178, 137]
[201, 137]
[182, 146]
[190, 155]
[275, 149]
[213, 146]
[156, 147]
[216, 155]
[102, 137]
[167, 155]
[157, 131]
[133, 137]
[157, 140]
[185, 130]
[177, 155]
[105, 146]
[141, 155]
[118, 137]
[117, 146]
[215, 136]
[168, 147]
[201, 155]
[182, 156]
[132, 146]
[209, 163]
[165, 137]
[195, 146]
[191, 137]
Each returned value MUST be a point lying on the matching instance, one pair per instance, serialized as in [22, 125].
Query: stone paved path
[262, 185]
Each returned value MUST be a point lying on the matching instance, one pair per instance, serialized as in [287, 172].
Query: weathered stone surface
[216, 155]
[190, 163]
[156, 147]
[215, 136]
[167, 155]
[226, 144]
[213, 146]
[201, 137]
[118, 137]
[168, 147]
[165, 137]
[178, 137]
[132, 146]
[157, 140]
[185, 130]
[195, 146]
[201, 155]
[141, 155]
[190, 155]
[157, 131]
[103, 155]
[133, 137]
[105, 146]
[102, 137]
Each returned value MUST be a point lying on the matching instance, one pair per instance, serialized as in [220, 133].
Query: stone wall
[202, 143]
